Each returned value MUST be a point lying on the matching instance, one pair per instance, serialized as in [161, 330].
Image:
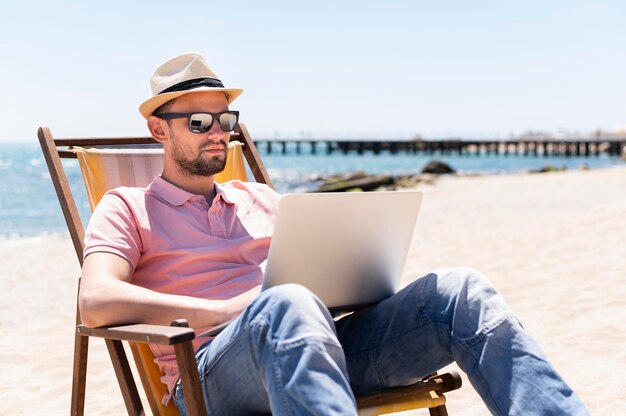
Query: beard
[200, 165]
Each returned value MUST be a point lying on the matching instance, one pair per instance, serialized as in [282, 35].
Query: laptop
[347, 248]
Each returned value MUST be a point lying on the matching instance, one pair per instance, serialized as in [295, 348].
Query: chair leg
[438, 411]
[124, 377]
[186, 359]
[79, 377]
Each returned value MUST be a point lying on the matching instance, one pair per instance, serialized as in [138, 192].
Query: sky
[355, 69]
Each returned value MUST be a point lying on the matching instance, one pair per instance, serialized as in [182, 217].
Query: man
[187, 247]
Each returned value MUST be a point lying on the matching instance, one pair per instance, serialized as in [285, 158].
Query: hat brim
[147, 107]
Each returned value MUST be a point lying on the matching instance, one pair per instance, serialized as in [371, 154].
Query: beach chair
[133, 161]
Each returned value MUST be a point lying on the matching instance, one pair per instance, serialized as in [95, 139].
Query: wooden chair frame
[178, 335]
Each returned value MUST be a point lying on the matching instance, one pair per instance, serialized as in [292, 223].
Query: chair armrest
[156, 334]
[440, 383]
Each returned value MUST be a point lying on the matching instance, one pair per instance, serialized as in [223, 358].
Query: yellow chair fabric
[423, 400]
[105, 168]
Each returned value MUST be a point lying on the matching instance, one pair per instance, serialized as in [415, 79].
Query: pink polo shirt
[184, 246]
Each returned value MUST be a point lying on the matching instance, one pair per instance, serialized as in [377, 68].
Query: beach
[554, 245]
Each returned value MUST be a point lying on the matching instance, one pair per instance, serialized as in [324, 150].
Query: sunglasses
[202, 122]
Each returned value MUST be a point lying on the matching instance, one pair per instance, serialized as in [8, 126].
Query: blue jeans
[285, 354]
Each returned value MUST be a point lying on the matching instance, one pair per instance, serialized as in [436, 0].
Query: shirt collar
[176, 196]
[221, 192]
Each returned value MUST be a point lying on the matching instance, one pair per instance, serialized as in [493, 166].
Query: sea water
[29, 205]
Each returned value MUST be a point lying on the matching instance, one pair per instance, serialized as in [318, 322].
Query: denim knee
[466, 300]
[294, 311]
[453, 284]
[289, 293]
[292, 298]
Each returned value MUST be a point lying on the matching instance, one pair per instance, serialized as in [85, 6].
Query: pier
[576, 147]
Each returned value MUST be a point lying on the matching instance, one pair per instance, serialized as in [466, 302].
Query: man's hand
[246, 298]
[240, 302]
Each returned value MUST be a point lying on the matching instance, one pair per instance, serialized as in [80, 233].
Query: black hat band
[194, 83]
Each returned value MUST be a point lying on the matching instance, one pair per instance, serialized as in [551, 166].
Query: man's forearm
[106, 302]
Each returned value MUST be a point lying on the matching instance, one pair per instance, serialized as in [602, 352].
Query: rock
[438, 167]
[349, 183]
[409, 181]
[361, 181]
[429, 178]
[548, 168]
[351, 176]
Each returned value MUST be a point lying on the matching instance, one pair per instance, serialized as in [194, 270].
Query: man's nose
[217, 134]
[216, 129]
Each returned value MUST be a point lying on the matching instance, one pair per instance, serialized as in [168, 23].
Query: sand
[554, 244]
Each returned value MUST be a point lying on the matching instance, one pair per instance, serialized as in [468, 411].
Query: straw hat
[179, 76]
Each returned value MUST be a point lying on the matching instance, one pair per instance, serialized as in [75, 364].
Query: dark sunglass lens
[228, 121]
[200, 123]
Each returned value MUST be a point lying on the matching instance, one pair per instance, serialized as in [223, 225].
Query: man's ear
[155, 125]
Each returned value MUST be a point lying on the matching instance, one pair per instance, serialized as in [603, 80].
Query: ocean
[29, 206]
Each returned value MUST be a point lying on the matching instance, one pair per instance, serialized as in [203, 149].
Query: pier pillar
[542, 146]
[614, 149]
